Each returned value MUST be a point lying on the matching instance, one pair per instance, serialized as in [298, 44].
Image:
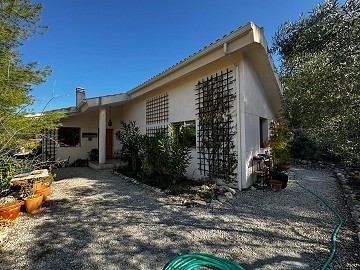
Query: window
[189, 134]
[68, 136]
[263, 123]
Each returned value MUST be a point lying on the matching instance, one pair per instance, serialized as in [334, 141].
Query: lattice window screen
[157, 114]
[152, 130]
[157, 109]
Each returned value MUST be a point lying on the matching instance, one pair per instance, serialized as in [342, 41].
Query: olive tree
[319, 70]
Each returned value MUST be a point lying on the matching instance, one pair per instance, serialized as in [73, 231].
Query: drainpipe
[240, 126]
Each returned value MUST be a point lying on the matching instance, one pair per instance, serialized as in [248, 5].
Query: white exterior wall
[182, 105]
[88, 122]
[256, 105]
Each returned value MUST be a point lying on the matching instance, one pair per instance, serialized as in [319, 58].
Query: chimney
[80, 95]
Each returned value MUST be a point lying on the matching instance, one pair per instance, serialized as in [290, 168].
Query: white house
[239, 63]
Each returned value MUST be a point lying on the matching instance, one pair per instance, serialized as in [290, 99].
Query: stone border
[228, 195]
[351, 200]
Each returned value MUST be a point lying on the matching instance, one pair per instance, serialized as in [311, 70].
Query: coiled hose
[195, 260]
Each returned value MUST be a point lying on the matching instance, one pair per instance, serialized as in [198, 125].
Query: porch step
[110, 164]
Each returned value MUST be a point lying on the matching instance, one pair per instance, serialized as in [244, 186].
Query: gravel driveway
[98, 220]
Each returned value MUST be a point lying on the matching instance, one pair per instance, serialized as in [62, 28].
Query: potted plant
[279, 143]
[10, 208]
[32, 201]
[276, 185]
[42, 186]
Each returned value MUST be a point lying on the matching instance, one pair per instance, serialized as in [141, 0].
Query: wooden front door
[109, 143]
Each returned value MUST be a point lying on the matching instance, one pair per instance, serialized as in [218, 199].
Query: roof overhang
[90, 104]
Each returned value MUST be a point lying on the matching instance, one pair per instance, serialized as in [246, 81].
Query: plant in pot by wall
[279, 142]
[43, 190]
[276, 185]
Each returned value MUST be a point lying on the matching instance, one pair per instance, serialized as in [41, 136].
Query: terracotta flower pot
[44, 190]
[33, 203]
[275, 185]
[37, 185]
[11, 212]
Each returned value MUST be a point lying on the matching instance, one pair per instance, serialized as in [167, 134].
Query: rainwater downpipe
[240, 124]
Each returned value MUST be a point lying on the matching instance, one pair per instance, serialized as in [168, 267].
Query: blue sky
[112, 46]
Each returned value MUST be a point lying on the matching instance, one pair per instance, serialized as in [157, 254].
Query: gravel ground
[97, 220]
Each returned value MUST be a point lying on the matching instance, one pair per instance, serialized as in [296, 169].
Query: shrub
[167, 153]
[94, 154]
[279, 142]
[131, 140]
[80, 162]
[7, 171]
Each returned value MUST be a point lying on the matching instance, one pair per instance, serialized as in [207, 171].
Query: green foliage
[26, 189]
[94, 154]
[320, 67]
[18, 126]
[161, 154]
[154, 160]
[80, 162]
[7, 170]
[47, 180]
[131, 139]
[279, 142]
[304, 148]
[176, 151]
[167, 154]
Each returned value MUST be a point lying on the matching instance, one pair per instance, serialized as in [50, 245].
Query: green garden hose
[195, 260]
[336, 212]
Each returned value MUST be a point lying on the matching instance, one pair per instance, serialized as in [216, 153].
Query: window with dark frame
[263, 132]
[68, 136]
[191, 136]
